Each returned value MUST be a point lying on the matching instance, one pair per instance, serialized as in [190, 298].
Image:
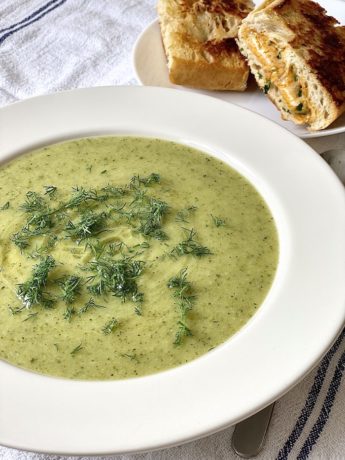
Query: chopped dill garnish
[182, 292]
[109, 326]
[116, 277]
[31, 292]
[115, 266]
[184, 299]
[143, 245]
[112, 191]
[90, 304]
[80, 196]
[31, 316]
[21, 240]
[39, 221]
[218, 222]
[16, 310]
[151, 219]
[267, 87]
[132, 357]
[96, 247]
[138, 310]
[76, 349]
[136, 181]
[5, 206]
[70, 287]
[90, 224]
[183, 331]
[184, 214]
[39, 252]
[114, 248]
[50, 190]
[34, 203]
[190, 246]
[69, 313]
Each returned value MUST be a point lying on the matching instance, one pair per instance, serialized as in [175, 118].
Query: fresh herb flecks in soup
[125, 256]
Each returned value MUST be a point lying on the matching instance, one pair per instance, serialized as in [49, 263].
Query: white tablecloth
[47, 46]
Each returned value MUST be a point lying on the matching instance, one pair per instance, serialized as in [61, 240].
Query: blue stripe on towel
[311, 399]
[36, 18]
[31, 16]
[325, 410]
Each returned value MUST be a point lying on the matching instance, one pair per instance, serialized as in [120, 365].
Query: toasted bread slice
[199, 42]
[297, 55]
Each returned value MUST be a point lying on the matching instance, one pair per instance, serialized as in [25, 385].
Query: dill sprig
[218, 222]
[34, 203]
[190, 246]
[40, 218]
[76, 349]
[112, 191]
[132, 357]
[31, 292]
[69, 313]
[39, 252]
[16, 310]
[184, 299]
[21, 240]
[31, 316]
[114, 248]
[50, 190]
[5, 206]
[184, 214]
[70, 287]
[182, 332]
[182, 291]
[81, 196]
[90, 304]
[116, 277]
[151, 219]
[109, 327]
[39, 221]
[90, 224]
[137, 181]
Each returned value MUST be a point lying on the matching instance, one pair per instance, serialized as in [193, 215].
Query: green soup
[124, 256]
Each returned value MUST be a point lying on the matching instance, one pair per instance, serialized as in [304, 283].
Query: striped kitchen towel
[48, 46]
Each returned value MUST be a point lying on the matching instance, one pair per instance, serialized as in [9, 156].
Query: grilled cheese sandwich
[297, 55]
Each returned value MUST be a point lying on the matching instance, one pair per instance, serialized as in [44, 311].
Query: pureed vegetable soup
[125, 256]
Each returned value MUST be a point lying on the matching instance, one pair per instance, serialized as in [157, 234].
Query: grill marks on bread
[198, 38]
[297, 55]
[320, 40]
[240, 9]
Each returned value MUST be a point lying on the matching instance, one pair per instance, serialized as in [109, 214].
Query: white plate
[298, 321]
[151, 70]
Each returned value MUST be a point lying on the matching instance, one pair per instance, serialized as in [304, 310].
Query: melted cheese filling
[276, 74]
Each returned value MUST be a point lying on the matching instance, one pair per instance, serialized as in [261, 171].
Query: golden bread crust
[319, 40]
[297, 55]
[235, 8]
[198, 38]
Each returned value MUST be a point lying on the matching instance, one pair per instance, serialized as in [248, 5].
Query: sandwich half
[297, 55]
[199, 42]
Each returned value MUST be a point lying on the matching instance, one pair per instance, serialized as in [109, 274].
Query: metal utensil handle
[249, 436]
